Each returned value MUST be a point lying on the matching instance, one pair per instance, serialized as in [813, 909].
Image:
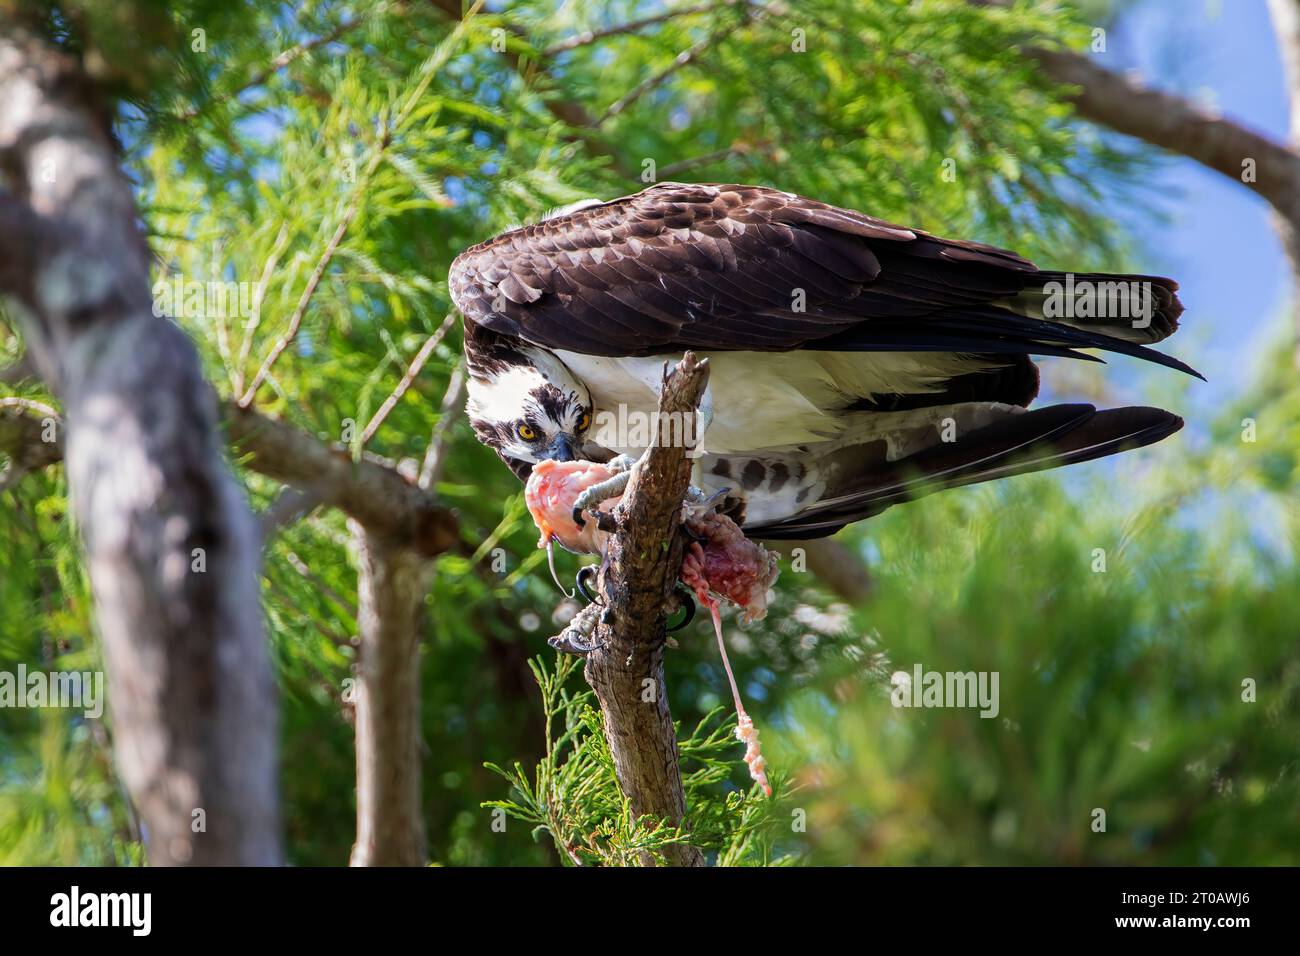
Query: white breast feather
[769, 399]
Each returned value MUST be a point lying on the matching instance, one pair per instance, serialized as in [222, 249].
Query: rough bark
[171, 547]
[392, 582]
[626, 670]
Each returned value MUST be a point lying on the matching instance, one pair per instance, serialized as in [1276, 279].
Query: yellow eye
[527, 433]
[585, 423]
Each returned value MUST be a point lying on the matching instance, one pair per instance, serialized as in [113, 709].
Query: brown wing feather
[724, 267]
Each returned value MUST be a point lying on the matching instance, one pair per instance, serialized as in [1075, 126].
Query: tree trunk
[392, 582]
[171, 547]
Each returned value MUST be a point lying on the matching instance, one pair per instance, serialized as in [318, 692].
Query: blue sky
[1218, 241]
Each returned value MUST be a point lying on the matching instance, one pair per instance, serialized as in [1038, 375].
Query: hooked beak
[561, 449]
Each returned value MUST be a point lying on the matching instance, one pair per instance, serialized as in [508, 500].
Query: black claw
[578, 519]
[688, 605]
[585, 574]
[570, 645]
[607, 617]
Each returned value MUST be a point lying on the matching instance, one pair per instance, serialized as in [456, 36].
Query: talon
[585, 574]
[568, 644]
[688, 605]
[550, 561]
[579, 636]
[577, 516]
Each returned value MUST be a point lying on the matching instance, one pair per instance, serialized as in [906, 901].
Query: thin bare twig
[295, 320]
[588, 37]
[413, 370]
[435, 458]
[690, 162]
[679, 61]
[259, 296]
[280, 61]
[31, 405]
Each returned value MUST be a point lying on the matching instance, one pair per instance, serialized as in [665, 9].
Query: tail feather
[990, 331]
[1017, 444]
[1135, 308]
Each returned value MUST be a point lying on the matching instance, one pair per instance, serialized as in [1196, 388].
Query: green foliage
[573, 794]
[411, 137]
[1121, 689]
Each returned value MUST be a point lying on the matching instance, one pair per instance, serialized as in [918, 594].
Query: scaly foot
[610, 488]
[577, 638]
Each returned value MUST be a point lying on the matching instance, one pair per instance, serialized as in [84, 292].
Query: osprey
[854, 363]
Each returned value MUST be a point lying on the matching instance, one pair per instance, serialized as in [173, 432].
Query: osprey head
[527, 405]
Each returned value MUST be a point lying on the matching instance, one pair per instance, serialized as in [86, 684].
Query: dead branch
[383, 501]
[695, 50]
[626, 670]
[435, 457]
[304, 300]
[412, 371]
